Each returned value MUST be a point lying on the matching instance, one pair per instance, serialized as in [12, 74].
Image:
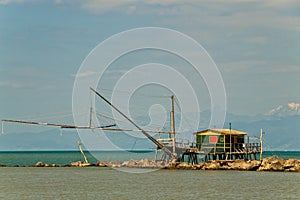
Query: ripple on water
[105, 183]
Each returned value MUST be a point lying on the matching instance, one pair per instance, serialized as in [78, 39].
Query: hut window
[213, 139]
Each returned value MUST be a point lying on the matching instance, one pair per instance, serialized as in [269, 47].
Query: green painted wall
[204, 145]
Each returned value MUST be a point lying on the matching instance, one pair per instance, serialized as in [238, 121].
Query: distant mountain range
[45, 140]
[281, 126]
[285, 110]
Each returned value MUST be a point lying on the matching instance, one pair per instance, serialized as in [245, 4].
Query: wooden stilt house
[225, 144]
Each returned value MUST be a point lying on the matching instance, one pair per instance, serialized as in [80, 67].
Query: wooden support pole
[230, 140]
[80, 148]
[173, 126]
[91, 110]
[224, 141]
[260, 139]
[2, 128]
[158, 144]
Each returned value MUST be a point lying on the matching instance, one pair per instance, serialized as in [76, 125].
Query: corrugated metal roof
[220, 131]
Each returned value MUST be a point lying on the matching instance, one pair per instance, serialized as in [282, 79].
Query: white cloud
[84, 74]
[243, 65]
[9, 84]
[250, 53]
[100, 6]
[106, 5]
[223, 16]
[6, 2]
[10, 1]
[58, 1]
[229, 13]
[109, 5]
[283, 69]
[116, 71]
[261, 40]
[280, 3]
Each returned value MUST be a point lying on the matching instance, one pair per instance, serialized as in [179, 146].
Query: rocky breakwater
[143, 163]
[41, 164]
[217, 165]
[81, 164]
[276, 164]
[267, 164]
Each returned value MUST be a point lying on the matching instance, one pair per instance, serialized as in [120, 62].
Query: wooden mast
[80, 148]
[44, 124]
[158, 144]
[172, 117]
[230, 143]
[2, 127]
[173, 126]
[261, 143]
[91, 110]
[64, 126]
[108, 127]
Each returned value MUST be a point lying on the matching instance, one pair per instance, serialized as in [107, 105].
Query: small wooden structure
[225, 144]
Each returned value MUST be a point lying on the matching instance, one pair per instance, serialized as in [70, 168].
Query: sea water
[27, 158]
[106, 183]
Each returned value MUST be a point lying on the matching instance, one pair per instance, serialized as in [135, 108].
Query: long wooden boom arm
[158, 144]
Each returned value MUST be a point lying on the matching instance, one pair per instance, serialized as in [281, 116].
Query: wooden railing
[235, 147]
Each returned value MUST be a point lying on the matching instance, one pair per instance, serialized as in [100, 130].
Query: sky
[255, 45]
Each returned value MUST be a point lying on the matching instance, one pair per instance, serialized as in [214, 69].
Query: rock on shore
[101, 164]
[244, 165]
[276, 164]
[267, 164]
[81, 164]
[41, 164]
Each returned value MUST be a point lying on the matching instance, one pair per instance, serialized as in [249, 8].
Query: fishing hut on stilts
[210, 144]
[227, 144]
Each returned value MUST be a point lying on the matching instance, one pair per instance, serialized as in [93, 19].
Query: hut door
[235, 139]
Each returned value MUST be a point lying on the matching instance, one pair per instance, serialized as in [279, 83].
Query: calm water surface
[26, 158]
[105, 183]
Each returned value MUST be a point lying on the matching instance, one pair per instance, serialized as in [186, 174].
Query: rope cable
[139, 94]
